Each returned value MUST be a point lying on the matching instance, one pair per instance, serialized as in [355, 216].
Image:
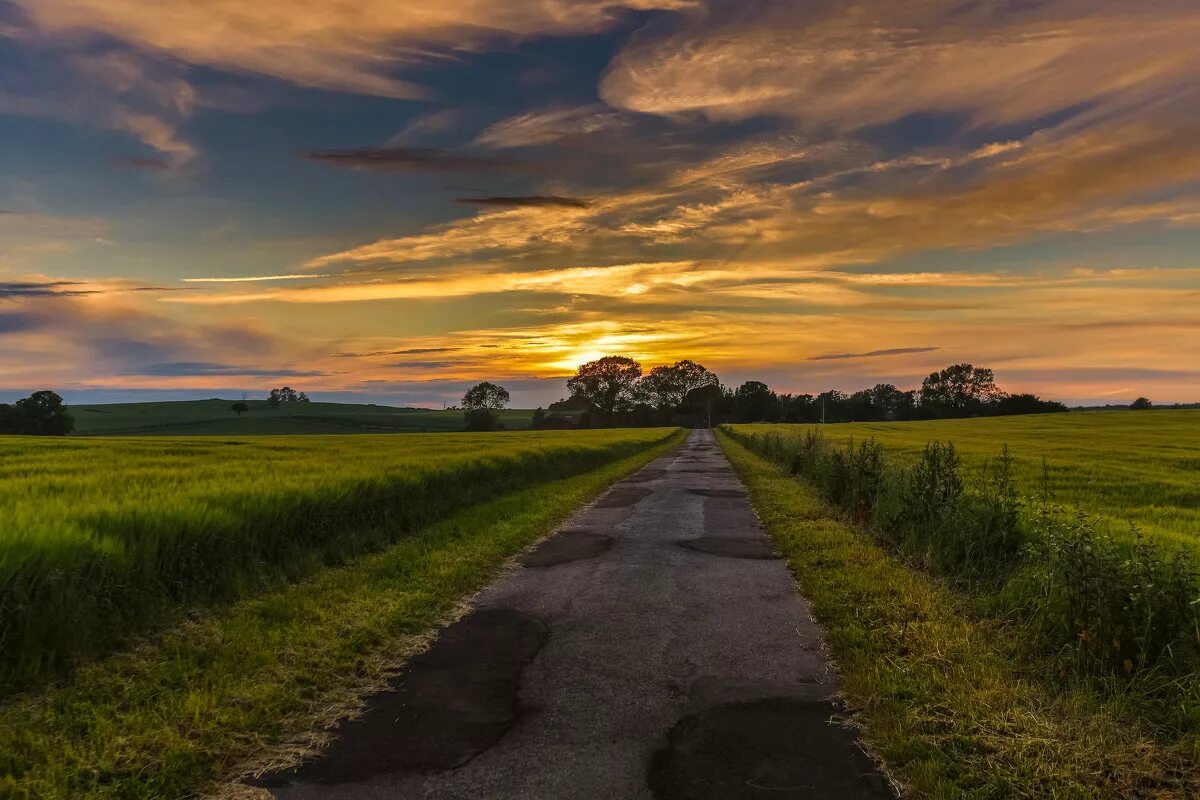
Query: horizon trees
[287, 394]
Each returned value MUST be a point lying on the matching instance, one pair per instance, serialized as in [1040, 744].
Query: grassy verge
[941, 695]
[177, 714]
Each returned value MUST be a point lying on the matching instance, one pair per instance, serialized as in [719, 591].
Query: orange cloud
[345, 46]
[860, 64]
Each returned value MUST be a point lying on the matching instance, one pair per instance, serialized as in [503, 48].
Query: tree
[481, 404]
[754, 401]
[1141, 404]
[666, 387]
[712, 404]
[239, 408]
[41, 414]
[608, 384]
[287, 394]
[960, 390]
[539, 415]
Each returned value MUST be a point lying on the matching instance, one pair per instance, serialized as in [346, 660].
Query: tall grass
[1101, 604]
[100, 539]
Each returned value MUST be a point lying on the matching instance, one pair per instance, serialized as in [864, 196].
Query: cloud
[42, 289]
[895, 351]
[412, 351]
[413, 159]
[147, 164]
[181, 368]
[106, 86]
[256, 278]
[854, 65]
[525, 201]
[355, 48]
[552, 126]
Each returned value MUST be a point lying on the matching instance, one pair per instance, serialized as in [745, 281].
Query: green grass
[1127, 466]
[214, 418]
[944, 697]
[258, 679]
[104, 537]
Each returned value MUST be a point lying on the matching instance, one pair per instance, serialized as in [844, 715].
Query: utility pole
[708, 409]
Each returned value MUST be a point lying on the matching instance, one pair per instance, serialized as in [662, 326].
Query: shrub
[1107, 606]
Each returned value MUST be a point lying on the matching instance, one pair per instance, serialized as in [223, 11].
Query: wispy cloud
[330, 46]
[413, 159]
[525, 201]
[895, 351]
[257, 278]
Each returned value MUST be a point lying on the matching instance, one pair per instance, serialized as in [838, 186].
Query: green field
[214, 418]
[250, 682]
[101, 538]
[1126, 466]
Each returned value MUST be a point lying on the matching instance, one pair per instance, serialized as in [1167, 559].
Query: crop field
[101, 538]
[1127, 467]
[215, 418]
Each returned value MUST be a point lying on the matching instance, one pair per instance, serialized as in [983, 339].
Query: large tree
[666, 387]
[754, 401]
[960, 390]
[41, 414]
[482, 404]
[608, 383]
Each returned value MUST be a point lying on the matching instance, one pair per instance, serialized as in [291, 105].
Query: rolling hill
[215, 418]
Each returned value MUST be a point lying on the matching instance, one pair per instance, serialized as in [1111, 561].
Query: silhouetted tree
[481, 405]
[41, 414]
[665, 387]
[539, 415]
[239, 408]
[754, 401]
[287, 394]
[711, 404]
[1027, 404]
[1141, 404]
[959, 390]
[608, 384]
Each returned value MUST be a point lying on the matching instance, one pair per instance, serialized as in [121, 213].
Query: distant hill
[214, 417]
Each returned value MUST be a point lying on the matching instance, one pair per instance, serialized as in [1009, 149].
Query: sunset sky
[391, 200]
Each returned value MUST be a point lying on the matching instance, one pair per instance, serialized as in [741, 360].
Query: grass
[1127, 466]
[100, 538]
[944, 696]
[214, 418]
[199, 703]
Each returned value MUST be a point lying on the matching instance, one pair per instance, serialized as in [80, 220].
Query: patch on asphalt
[646, 476]
[718, 492]
[732, 547]
[450, 704]
[565, 546]
[620, 496]
[779, 748]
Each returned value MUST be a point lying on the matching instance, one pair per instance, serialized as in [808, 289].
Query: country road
[655, 648]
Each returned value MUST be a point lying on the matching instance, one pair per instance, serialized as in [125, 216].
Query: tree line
[615, 391]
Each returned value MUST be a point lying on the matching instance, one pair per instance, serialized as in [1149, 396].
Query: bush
[1111, 607]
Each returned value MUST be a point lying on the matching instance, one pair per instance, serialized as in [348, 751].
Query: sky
[386, 201]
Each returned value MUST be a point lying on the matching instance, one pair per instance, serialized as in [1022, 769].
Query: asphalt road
[655, 648]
